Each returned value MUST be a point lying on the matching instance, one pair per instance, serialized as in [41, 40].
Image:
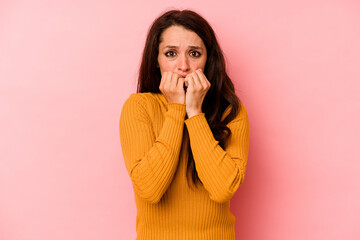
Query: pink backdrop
[66, 67]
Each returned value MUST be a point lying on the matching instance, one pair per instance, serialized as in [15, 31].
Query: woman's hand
[197, 87]
[172, 86]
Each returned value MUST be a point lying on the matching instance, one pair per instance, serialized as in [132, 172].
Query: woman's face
[181, 51]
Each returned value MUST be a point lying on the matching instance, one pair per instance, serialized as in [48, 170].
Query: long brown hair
[221, 93]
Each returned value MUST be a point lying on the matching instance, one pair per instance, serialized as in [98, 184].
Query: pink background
[66, 67]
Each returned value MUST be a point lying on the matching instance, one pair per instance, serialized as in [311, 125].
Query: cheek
[166, 66]
[201, 64]
[198, 64]
[203, 61]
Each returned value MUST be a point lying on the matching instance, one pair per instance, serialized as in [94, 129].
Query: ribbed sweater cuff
[174, 123]
[199, 132]
[176, 111]
[197, 122]
[177, 107]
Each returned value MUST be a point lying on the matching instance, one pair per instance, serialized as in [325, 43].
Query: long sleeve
[220, 170]
[151, 160]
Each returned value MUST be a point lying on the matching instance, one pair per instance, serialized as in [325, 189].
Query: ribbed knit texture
[154, 138]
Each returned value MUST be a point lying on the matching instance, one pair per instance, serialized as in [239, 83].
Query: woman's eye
[195, 54]
[170, 54]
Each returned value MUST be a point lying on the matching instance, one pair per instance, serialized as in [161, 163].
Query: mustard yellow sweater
[154, 142]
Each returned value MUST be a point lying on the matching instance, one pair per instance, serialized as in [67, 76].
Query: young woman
[184, 134]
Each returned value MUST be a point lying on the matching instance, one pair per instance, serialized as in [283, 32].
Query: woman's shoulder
[147, 102]
[241, 113]
[143, 99]
[139, 96]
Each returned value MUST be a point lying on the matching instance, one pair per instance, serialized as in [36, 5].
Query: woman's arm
[221, 171]
[150, 161]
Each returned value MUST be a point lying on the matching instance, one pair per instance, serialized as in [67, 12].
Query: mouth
[183, 75]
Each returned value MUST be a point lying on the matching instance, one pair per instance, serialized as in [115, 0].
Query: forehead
[178, 35]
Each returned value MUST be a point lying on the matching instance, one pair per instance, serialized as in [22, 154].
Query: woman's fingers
[172, 87]
[166, 81]
[195, 81]
[199, 80]
[169, 80]
[190, 81]
[174, 80]
[162, 81]
[180, 84]
[186, 82]
[202, 79]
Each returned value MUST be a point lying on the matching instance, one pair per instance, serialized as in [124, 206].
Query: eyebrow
[193, 47]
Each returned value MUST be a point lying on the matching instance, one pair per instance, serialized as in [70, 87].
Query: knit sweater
[154, 142]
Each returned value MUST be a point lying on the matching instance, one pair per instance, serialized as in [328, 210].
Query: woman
[185, 134]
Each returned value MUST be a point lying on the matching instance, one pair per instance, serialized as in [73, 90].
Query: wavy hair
[221, 93]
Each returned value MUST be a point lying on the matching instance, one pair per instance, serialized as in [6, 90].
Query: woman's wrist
[193, 113]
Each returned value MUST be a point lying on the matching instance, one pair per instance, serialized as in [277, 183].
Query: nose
[183, 64]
